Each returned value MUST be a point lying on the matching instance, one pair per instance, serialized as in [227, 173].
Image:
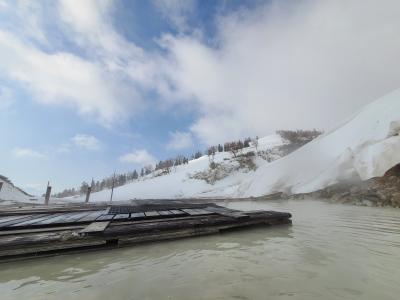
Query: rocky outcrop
[381, 191]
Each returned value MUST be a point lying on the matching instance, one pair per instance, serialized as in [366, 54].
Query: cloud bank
[288, 64]
[139, 157]
[284, 64]
[85, 141]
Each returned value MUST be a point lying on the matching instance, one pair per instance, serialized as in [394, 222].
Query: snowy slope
[177, 184]
[365, 146]
[11, 193]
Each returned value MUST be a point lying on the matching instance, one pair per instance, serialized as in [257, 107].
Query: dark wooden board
[105, 217]
[75, 218]
[92, 216]
[226, 212]
[10, 218]
[20, 220]
[121, 217]
[56, 218]
[34, 221]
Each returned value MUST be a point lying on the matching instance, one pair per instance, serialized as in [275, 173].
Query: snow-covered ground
[364, 146]
[9, 193]
[178, 183]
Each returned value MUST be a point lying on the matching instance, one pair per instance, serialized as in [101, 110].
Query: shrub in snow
[299, 137]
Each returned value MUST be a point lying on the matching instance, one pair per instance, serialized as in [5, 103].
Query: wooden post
[48, 193]
[88, 194]
[112, 188]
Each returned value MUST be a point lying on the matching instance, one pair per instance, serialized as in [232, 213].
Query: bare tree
[255, 143]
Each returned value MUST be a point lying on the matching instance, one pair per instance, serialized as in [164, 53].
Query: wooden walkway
[52, 230]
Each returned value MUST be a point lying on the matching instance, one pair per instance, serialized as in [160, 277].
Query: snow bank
[9, 192]
[365, 146]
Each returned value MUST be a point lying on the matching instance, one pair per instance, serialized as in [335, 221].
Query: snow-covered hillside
[10, 193]
[181, 184]
[364, 146]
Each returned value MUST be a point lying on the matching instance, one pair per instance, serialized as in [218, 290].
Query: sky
[92, 87]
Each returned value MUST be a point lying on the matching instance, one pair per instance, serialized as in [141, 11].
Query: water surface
[331, 251]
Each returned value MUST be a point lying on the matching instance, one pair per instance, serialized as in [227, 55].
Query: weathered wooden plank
[19, 220]
[137, 215]
[75, 218]
[165, 213]
[34, 221]
[179, 223]
[9, 218]
[152, 214]
[92, 216]
[95, 227]
[14, 231]
[38, 250]
[226, 212]
[57, 218]
[197, 212]
[106, 217]
[53, 208]
[168, 235]
[177, 212]
[121, 217]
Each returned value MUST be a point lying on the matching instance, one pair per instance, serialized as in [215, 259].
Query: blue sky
[89, 87]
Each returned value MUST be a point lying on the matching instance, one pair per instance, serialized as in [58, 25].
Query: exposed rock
[382, 191]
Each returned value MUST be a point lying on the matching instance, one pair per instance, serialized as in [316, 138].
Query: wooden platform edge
[110, 235]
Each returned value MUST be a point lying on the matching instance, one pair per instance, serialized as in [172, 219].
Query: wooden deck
[52, 230]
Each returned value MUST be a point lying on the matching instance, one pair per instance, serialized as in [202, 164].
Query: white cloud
[180, 140]
[288, 64]
[27, 153]
[104, 84]
[176, 11]
[88, 142]
[63, 78]
[140, 157]
[285, 64]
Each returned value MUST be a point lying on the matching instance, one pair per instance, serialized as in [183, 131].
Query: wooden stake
[112, 188]
[88, 194]
[48, 193]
